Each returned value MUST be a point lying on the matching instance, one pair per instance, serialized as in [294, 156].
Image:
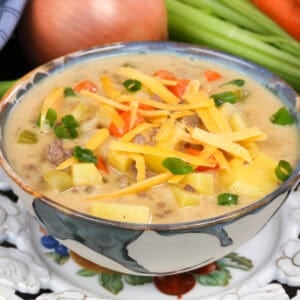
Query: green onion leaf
[228, 199]
[237, 82]
[69, 121]
[132, 85]
[84, 155]
[282, 117]
[27, 137]
[61, 132]
[177, 166]
[283, 170]
[68, 128]
[221, 98]
[51, 117]
[69, 92]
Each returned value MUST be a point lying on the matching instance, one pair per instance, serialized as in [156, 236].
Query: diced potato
[121, 212]
[85, 174]
[173, 139]
[120, 161]
[254, 179]
[185, 198]
[154, 163]
[202, 182]
[80, 111]
[58, 180]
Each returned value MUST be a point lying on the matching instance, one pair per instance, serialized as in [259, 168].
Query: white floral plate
[40, 262]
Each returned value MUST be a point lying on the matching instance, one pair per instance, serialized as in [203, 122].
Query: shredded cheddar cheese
[105, 100]
[95, 141]
[137, 130]
[222, 143]
[139, 165]
[151, 83]
[108, 87]
[135, 188]
[157, 151]
[50, 100]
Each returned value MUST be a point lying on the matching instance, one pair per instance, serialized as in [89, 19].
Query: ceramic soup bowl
[147, 249]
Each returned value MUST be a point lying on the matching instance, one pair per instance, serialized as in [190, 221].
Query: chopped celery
[5, 85]
[27, 137]
[202, 22]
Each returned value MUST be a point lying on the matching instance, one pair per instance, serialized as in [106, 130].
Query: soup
[160, 139]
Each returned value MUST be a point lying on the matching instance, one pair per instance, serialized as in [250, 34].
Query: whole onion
[51, 28]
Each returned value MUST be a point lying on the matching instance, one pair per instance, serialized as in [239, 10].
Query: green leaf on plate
[111, 282]
[86, 273]
[233, 260]
[215, 278]
[137, 280]
[59, 259]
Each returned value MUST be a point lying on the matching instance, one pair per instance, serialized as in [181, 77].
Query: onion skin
[52, 28]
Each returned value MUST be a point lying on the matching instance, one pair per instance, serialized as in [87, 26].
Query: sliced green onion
[69, 92]
[84, 155]
[27, 137]
[221, 98]
[61, 132]
[68, 128]
[132, 85]
[283, 170]
[50, 119]
[237, 82]
[282, 117]
[69, 121]
[228, 199]
[177, 166]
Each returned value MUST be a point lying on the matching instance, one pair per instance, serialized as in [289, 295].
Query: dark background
[13, 64]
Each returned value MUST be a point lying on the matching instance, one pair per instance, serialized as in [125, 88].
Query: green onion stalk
[236, 27]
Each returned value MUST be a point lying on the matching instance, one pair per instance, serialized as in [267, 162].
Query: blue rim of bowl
[10, 14]
[250, 69]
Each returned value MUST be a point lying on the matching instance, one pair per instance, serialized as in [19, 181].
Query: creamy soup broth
[29, 160]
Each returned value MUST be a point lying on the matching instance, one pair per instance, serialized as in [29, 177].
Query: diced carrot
[116, 131]
[179, 89]
[286, 13]
[192, 151]
[101, 165]
[142, 106]
[163, 74]
[206, 168]
[119, 131]
[146, 106]
[86, 85]
[211, 75]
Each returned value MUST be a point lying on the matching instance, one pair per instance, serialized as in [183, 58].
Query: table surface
[13, 64]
